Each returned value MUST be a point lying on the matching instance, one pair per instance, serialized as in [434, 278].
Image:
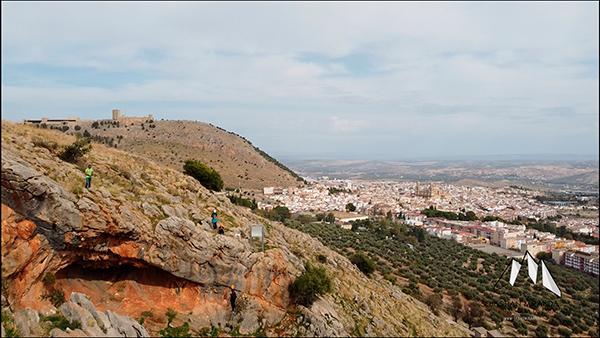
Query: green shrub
[59, 321]
[178, 331]
[541, 331]
[75, 151]
[209, 178]
[50, 145]
[313, 283]
[245, 202]
[56, 297]
[49, 279]
[564, 332]
[171, 314]
[148, 314]
[9, 326]
[363, 262]
[390, 278]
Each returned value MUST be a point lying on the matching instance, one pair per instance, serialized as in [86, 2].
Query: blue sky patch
[39, 74]
[357, 65]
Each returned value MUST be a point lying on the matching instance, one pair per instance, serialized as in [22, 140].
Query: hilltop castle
[116, 116]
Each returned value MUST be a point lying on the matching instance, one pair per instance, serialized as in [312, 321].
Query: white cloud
[448, 66]
[347, 125]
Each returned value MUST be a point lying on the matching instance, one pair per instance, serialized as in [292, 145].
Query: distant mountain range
[495, 157]
[581, 174]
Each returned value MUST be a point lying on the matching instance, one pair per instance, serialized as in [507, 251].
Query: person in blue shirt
[214, 219]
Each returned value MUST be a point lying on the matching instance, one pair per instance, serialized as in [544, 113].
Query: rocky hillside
[137, 244]
[170, 143]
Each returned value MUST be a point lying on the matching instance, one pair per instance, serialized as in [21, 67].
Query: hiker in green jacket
[88, 176]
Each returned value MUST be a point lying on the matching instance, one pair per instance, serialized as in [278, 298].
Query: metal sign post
[258, 231]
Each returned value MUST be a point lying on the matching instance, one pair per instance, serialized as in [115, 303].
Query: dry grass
[172, 142]
[10, 129]
[113, 168]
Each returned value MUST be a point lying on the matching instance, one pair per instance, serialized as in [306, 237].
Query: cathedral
[431, 192]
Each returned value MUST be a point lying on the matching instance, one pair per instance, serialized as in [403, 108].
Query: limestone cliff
[138, 243]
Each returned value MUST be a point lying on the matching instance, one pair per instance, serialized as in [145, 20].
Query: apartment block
[582, 261]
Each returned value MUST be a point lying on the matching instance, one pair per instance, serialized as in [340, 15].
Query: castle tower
[116, 114]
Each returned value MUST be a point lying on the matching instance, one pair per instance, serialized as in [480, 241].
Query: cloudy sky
[342, 80]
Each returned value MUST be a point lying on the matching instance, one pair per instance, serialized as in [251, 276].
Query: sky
[319, 80]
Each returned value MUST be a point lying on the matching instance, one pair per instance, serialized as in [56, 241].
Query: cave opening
[116, 273]
[131, 290]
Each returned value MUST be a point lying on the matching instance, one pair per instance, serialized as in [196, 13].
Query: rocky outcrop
[46, 228]
[97, 324]
[78, 310]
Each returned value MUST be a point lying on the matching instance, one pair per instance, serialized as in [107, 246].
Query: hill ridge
[241, 164]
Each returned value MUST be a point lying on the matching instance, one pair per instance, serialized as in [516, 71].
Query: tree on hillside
[541, 331]
[456, 308]
[350, 207]
[473, 315]
[209, 178]
[281, 213]
[434, 302]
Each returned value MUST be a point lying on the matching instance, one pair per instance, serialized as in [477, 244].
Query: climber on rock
[232, 298]
[214, 219]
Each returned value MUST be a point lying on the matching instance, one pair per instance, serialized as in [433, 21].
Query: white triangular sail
[532, 267]
[548, 281]
[514, 271]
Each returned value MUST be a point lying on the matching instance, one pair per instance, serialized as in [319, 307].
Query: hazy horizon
[482, 158]
[342, 80]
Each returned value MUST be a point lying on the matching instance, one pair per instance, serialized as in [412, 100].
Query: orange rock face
[168, 262]
[25, 229]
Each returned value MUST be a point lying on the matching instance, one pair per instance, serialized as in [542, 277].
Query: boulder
[95, 323]
[27, 322]
[125, 326]
[75, 313]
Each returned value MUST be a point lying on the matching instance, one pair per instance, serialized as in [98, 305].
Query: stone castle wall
[116, 116]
